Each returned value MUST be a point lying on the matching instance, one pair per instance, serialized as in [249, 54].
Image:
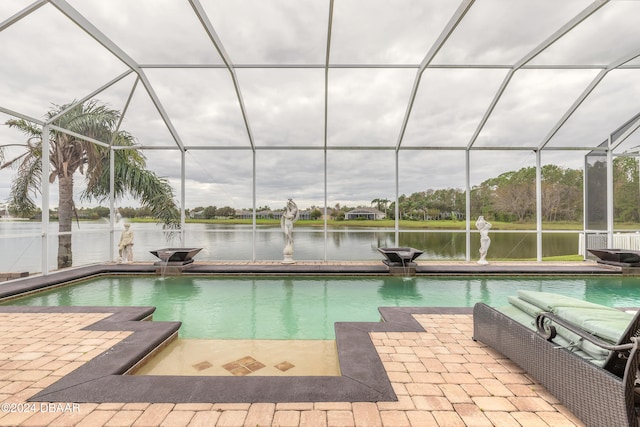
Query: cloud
[503, 31]
[279, 48]
[278, 31]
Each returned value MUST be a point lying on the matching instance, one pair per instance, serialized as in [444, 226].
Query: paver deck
[441, 377]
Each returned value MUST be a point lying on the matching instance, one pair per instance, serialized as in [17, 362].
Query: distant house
[267, 215]
[241, 214]
[305, 214]
[330, 213]
[365, 213]
[451, 215]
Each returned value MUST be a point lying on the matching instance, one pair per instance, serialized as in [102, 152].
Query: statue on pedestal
[289, 217]
[483, 226]
[125, 247]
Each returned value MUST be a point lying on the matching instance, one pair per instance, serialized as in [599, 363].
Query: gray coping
[421, 269]
[31, 283]
[363, 377]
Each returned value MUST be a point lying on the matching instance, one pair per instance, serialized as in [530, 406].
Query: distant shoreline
[379, 224]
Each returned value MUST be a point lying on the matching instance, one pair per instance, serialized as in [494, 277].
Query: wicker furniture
[599, 392]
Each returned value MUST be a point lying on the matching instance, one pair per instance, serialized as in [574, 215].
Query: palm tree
[381, 204]
[69, 154]
[384, 203]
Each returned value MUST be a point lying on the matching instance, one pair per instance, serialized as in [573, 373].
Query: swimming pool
[303, 307]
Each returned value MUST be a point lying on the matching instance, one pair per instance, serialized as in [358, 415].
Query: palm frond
[13, 162]
[91, 119]
[25, 127]
[132, 177]
[155, 193]
[70, 154]
[26, 184]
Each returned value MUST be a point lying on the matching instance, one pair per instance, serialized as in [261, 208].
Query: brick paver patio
[441, 377]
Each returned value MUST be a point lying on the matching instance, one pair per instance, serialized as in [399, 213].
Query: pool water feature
[305, 308]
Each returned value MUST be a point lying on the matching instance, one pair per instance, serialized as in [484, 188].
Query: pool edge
[100, 380]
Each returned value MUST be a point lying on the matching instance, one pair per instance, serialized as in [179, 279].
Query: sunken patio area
[420, 367]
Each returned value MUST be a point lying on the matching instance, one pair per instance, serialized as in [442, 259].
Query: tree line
[511, 196]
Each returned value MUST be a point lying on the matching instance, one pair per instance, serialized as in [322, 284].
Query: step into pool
[238, 358]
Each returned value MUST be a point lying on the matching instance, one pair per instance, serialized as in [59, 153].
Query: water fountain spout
[164, 256]
[174, 261]
[401, 260]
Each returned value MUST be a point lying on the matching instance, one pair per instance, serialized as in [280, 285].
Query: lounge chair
[585, 354]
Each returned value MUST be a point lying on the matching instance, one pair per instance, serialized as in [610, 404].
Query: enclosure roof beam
[592, 85]
[217, 43]
[58, 128]
[101, 38]
[367, 148]
[21, 14]
[326, 73]
[585, 93]
[91, 95]
[584, 14]
[326, 124]
[392, 66]
[435, 48]
[21, 116]
[632, 125]
[78, 135]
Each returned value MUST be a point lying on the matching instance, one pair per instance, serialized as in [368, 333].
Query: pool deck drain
[436, 373]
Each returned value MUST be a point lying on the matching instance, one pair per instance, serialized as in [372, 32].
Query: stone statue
[125, 247]
[289, 217]
[485, 241]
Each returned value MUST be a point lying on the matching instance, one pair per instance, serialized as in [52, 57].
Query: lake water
[21, 243]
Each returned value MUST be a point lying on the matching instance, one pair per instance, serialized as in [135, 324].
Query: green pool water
[307, 307]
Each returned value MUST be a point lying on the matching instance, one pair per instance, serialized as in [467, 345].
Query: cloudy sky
[279, 49]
